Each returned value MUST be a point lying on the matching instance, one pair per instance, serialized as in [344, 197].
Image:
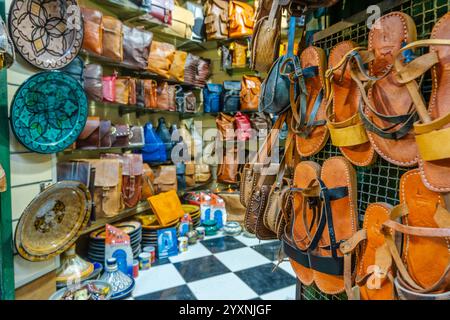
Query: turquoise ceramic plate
[49, 111]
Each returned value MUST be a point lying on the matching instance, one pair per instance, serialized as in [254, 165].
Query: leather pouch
[231, 96]
[216, 19]
[250, 90]
[93, 83]
[137, 136]
[227, 171]
[161, 58]
[112, 38]
[136, 47]
[240, 19]
[93, 30]
[225, 125]
[165, 179]
[177, 67]
[166, 207]
[121, 135]
[90, 136]
[109, 88]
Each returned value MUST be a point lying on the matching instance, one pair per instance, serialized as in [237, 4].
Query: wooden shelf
[112, 149]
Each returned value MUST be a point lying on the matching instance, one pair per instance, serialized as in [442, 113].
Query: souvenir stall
[162, 149]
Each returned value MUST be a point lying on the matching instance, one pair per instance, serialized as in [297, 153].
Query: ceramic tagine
[122, 285]
[73, 269]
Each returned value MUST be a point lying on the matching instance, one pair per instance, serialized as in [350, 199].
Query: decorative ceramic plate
[129, 227]
[100, 284]
[48, 34]
[158, 226]
[53, 221]
[191, 209]
[49, 111]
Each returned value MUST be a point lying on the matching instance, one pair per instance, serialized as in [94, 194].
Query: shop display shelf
[142, 207]
[123, 9]
[103, 150]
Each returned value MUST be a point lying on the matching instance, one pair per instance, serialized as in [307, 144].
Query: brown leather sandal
[433, 129]
[389, 111]
[309, 111]
[343, 99]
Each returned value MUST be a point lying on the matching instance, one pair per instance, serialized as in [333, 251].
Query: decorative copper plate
[46, 33]
[53, 221]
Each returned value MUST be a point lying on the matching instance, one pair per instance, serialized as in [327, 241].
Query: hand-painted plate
[49, 111]
[48, 34]
[53, 221]
[130, 227]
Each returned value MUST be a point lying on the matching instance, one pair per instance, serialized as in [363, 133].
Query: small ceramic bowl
[232, 228]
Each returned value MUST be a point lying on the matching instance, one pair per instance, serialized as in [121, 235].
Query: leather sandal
[374, 274]
[308, 121]
[433, 129]
[346, 129]
[305, 212]
[389, 112]
[424, 266]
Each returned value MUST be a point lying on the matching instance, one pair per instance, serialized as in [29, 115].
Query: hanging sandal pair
[324, 214]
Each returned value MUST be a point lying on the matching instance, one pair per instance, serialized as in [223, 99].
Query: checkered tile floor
[219, 268]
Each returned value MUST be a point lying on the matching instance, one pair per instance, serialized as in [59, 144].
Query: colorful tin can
[135, 268]
[144, 260]
[152, 251]
[182, 244]
[200, 233]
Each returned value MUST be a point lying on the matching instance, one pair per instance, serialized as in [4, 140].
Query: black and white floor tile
[220, 268]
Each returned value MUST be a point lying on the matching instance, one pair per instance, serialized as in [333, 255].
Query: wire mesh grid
[379, 182]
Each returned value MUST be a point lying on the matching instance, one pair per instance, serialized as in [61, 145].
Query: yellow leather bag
[167, 207]
[177, 68]
[182, 22]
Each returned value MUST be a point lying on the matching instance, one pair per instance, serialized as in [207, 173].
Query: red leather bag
[243, 127]
[109, 88]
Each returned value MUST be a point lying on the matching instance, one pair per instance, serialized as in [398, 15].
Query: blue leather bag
[212, 95]
[154, 149]
[274, 97]
[231, 96]
[163, 132]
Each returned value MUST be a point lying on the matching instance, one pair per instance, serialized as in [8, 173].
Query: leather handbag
[148, 177]
[260, 121]
[238, 55]
[231, 96]
[146, 93]
[212, 96]
[240, 15]
[120, 136]
[275, 89]
[177, 67]
[216, 19]
[166, 207]
[154, 149]
[136, 47]
[227, 171]
[137, 136]
[93, 83]
[109, 88]
[266, 38]
[163, 95]
[189, 174]
[93, 30]
[112, 38]
[198, 30]
[162, 10]
[250, 90]
[163, 132]
[202, 173]
[90, 136]
[123, 90]
[225, 124]
[182, 22]
[108, 187]
[165, 179]
[161, 58]
[7, 53]
[243, 127]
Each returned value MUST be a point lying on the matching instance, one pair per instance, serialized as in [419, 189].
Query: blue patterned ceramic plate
[49, 111]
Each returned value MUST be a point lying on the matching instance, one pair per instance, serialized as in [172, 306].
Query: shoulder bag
[216, 19]
[241, 21]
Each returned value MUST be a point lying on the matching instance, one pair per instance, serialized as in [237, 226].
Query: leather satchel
[212, 96]
[266, 38]
[239, 55]
[243, 127]
[241, 21]
[93, 83]
[165, 179]
[227, 171]
[136, 47]
[125, 90]
[161, 58]
[231, 96]
[93, 30]
[146, 93]
[250, 90]
[112, 38]
[121, 136]
[90, 136]
[216, 19]
[198, 30]
[225, 125]
[177, 67]
[109, 88]
[147, 183]
[108, 187]
[162, 10]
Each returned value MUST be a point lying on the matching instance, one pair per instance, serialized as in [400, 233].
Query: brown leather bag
[146, 93]
[136, 47]
[250, 90]
[240, 15]
[227, 172]
[93, 81]
[266, 37]
[147, 184]
[165, 179]
[93, 30]
[122, 90]
[177, 68]
[112, 38]
[225, 125]
[166, 96]
[239, 53]
[216, 19]
[161, 58]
